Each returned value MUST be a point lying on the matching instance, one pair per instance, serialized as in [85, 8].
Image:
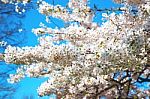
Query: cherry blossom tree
[85, 60]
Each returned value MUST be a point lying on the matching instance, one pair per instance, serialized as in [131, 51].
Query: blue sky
[28, 86]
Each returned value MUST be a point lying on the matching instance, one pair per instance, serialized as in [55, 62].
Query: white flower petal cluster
[79, 11]
[3, 43]
[14, 78]
[55, 11]
[15, 1]
[45, 53]
[130, 1]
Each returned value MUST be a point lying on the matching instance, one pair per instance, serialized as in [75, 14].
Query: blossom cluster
[81, 67]
[78, 11]
[3, 43]
[15, 1]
